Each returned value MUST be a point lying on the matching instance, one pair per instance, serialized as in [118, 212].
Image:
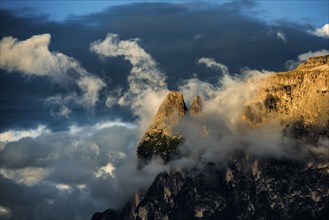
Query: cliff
[298, 98]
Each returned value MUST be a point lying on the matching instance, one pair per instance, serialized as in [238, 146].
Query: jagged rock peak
[314, 62]
[196, 106]
[159, 139]
[171, 110]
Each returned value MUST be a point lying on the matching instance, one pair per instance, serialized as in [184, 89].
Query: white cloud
[147, 86]
[28, 175]
[321, 32]
[32, 57]
[109, 124]
[15, 135]
[280, 35]
[211, 63]
[292, 64]
[106, 170]
[5, 211]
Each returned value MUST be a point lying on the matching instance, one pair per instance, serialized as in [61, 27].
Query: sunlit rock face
[298, 98]
[246, 186]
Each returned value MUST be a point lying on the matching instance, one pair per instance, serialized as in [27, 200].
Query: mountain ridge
[246, 186]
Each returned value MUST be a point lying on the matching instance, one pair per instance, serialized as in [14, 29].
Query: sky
[81, 81]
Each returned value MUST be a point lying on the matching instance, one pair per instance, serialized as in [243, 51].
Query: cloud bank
[75, 173]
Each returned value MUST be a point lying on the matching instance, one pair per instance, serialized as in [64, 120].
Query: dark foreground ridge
[246, 187]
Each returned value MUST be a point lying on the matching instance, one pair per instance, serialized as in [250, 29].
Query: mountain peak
[159, 138]
[171, 110]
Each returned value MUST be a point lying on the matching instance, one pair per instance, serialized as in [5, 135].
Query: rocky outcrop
[159, 139]
[298, 98]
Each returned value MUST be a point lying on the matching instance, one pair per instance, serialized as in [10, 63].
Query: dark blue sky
[314, 12]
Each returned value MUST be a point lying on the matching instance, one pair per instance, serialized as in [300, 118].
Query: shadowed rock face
[247, 187]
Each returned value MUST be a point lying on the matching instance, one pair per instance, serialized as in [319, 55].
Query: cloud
[219, 131]
[5, 212]
[230, 34]
[292, 64]
[147, 86]
[321, 32]
[32, 57]
[280, 35]
[28, 176]
[15, 135]
[106, 170]
[211, 63]
[36, 59]
[80, 171]
[90, 86]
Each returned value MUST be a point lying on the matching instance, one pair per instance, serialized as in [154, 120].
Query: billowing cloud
[32, 57]
[292, 64]
[322, 32]
[147, 85]
[93, 167]
[280, 35]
